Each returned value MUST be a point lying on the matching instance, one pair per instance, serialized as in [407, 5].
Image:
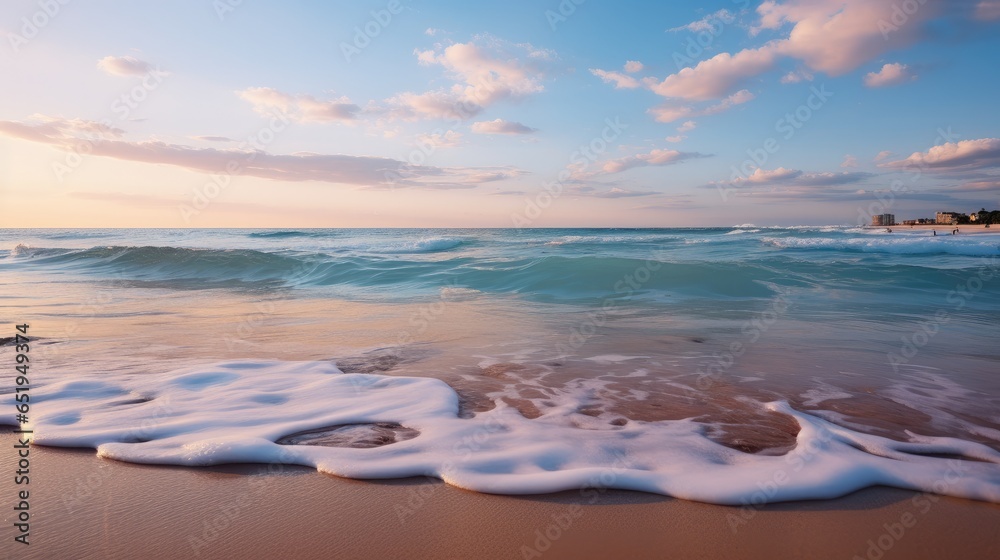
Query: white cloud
[883, 155]
[447, 139]
[487, 70]
[124, 66]
[675, 139]
[737, 98]
[890, 75]
[500, 126]
[849, 161]
[633, 66]
[796, 76]
[687, 126]
[621, 81]
[711, 22]
[303, 108]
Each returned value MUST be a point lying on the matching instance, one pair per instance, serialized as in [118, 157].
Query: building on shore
[883, 220]
[946, 218]
[918, 222]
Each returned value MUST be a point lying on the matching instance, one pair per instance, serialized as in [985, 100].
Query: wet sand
[85, 507]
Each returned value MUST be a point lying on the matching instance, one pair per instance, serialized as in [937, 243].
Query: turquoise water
[657, 343]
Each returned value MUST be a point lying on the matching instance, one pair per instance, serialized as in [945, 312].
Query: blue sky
[419, 113]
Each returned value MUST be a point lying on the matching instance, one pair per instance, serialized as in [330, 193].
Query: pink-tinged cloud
[500, 126]
[964, 155]
[829, 36]
[438, 139]
[124, 66]
[988, 10]
[655, 157]
[980, 186]
[890, 75]
[621, 81]
[717, 76]
[670, 112]
[633, 66]
[687, 126]
[303, 108]
[486, 70]
[370, 171]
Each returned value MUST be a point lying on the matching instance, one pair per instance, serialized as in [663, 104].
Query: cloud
[709, 22]
[617, 192]
[500, 126]
[633, 66]
[303, 108]
[829, 36]
[883, 155]
[655, 157]
[980, 186]
[670, 112]
[447, 139]
[890, 75]
[796, 178]
[964, 155]
[687, 126]
[675, 139]
[796, 76]
[124, 66]
[849, 161]
[831, 178]
[717, 76]
[50, 129]
[213, 138]
[370, 171]
[621, 81]
[988, 10]
[487, 70]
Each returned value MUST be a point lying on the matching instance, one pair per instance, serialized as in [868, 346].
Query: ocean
[735, 365]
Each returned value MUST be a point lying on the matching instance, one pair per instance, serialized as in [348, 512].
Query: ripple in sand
[359, 436]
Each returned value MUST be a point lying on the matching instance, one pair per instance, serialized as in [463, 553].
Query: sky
[522, 113]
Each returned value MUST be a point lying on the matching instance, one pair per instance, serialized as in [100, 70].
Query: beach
[85, 507]
[942, 229]
[714, 392]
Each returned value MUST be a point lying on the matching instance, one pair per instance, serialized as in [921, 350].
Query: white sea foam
[235, 411]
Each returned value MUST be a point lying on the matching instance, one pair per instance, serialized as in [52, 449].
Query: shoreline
[945, 229]
[83, 506]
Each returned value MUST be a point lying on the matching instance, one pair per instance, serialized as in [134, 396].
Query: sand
[966, 229]
[86, 507]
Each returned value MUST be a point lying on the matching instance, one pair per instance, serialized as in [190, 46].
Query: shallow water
[647, 351]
